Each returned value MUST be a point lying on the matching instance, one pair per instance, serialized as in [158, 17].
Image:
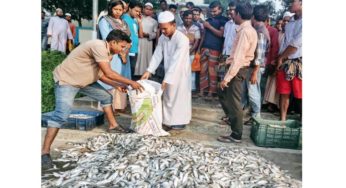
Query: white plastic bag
[146, 108]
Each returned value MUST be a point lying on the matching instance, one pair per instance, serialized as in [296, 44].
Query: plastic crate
[97, 119]
[264, 134]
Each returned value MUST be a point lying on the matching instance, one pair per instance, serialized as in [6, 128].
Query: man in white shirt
[173, 47]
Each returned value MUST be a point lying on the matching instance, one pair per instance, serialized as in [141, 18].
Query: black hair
[245, 10]
[118, 36]
[231, 4]
[112, 4]
[163, 1]
[186, 13]
[173, 6]
[215, 4]
[190, 4]
[260, 13]
[134, 4]
[197, 9]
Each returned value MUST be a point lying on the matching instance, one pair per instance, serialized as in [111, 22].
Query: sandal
[225, 139]
[224, 118]
[117, 129]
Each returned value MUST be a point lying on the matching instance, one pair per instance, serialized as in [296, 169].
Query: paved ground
[204, 128]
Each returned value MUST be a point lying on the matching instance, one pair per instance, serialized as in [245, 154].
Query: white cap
[67, 14]
[289, 14]
[165, 17]
[149, 4]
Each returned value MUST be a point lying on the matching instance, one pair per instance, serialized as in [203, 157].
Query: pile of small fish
[131, 160]
[80, 116]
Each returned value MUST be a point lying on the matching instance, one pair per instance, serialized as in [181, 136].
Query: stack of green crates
[271, 133]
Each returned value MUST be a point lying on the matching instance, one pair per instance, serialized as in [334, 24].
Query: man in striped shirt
[252, 89]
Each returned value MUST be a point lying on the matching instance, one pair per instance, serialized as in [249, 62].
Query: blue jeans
[252, 93]
[64, 97]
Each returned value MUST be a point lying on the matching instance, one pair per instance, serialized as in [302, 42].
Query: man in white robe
[173, 47]
[59, 30]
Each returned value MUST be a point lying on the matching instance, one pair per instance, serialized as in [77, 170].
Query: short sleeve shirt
[80, 68]
[193, 33]
[212, 41]
[134, 27]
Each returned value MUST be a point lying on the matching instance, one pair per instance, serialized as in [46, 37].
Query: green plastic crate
[264, 134]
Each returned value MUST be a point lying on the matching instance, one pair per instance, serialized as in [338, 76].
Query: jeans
[64, 97]
[252, 93]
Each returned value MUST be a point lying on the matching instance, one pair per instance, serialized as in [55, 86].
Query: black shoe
[166, 128]
[249, 122]
[178, 127]
[46, 161]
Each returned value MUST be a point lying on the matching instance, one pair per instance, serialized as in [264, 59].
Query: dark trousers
[230, 99]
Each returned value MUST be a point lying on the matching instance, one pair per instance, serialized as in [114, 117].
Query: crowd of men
[59, 29]
[245, 63]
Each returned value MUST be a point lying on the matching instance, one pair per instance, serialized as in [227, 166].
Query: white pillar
[95, 7]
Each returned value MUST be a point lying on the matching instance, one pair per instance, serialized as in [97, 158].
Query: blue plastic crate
[97, 119]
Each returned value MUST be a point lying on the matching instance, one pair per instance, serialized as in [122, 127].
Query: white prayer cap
[149, 4]
[289, 14]
[68, 14]
[166, 17]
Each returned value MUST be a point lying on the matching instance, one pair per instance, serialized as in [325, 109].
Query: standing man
[73, 31]
[44, 26]
[134, 21]
[79, 72]
[189, 5]
[173, 8]
[173, 47]
[59, 30]
[211, 49]
[252, 89]
[192, 32]
[268, 82]
[289, 63]
[146, 43]
[229, 34]
[231, 88]
[72, 25]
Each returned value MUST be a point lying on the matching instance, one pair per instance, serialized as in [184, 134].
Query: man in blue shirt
[134, 21]
[211, 48]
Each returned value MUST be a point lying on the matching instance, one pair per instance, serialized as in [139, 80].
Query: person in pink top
[231, 88]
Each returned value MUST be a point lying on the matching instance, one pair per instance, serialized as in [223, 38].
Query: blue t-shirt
[212, 41]
[133, 25]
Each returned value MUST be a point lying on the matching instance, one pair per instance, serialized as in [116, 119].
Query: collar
[243, 25]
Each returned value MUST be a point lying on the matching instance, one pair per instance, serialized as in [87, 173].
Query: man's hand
[163, 86]
[206, 24]
[146, 75]
[137, 86]
[223, 84]
[122, 89]
[253, 79]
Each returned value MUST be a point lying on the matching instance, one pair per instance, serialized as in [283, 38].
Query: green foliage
[49, 61]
